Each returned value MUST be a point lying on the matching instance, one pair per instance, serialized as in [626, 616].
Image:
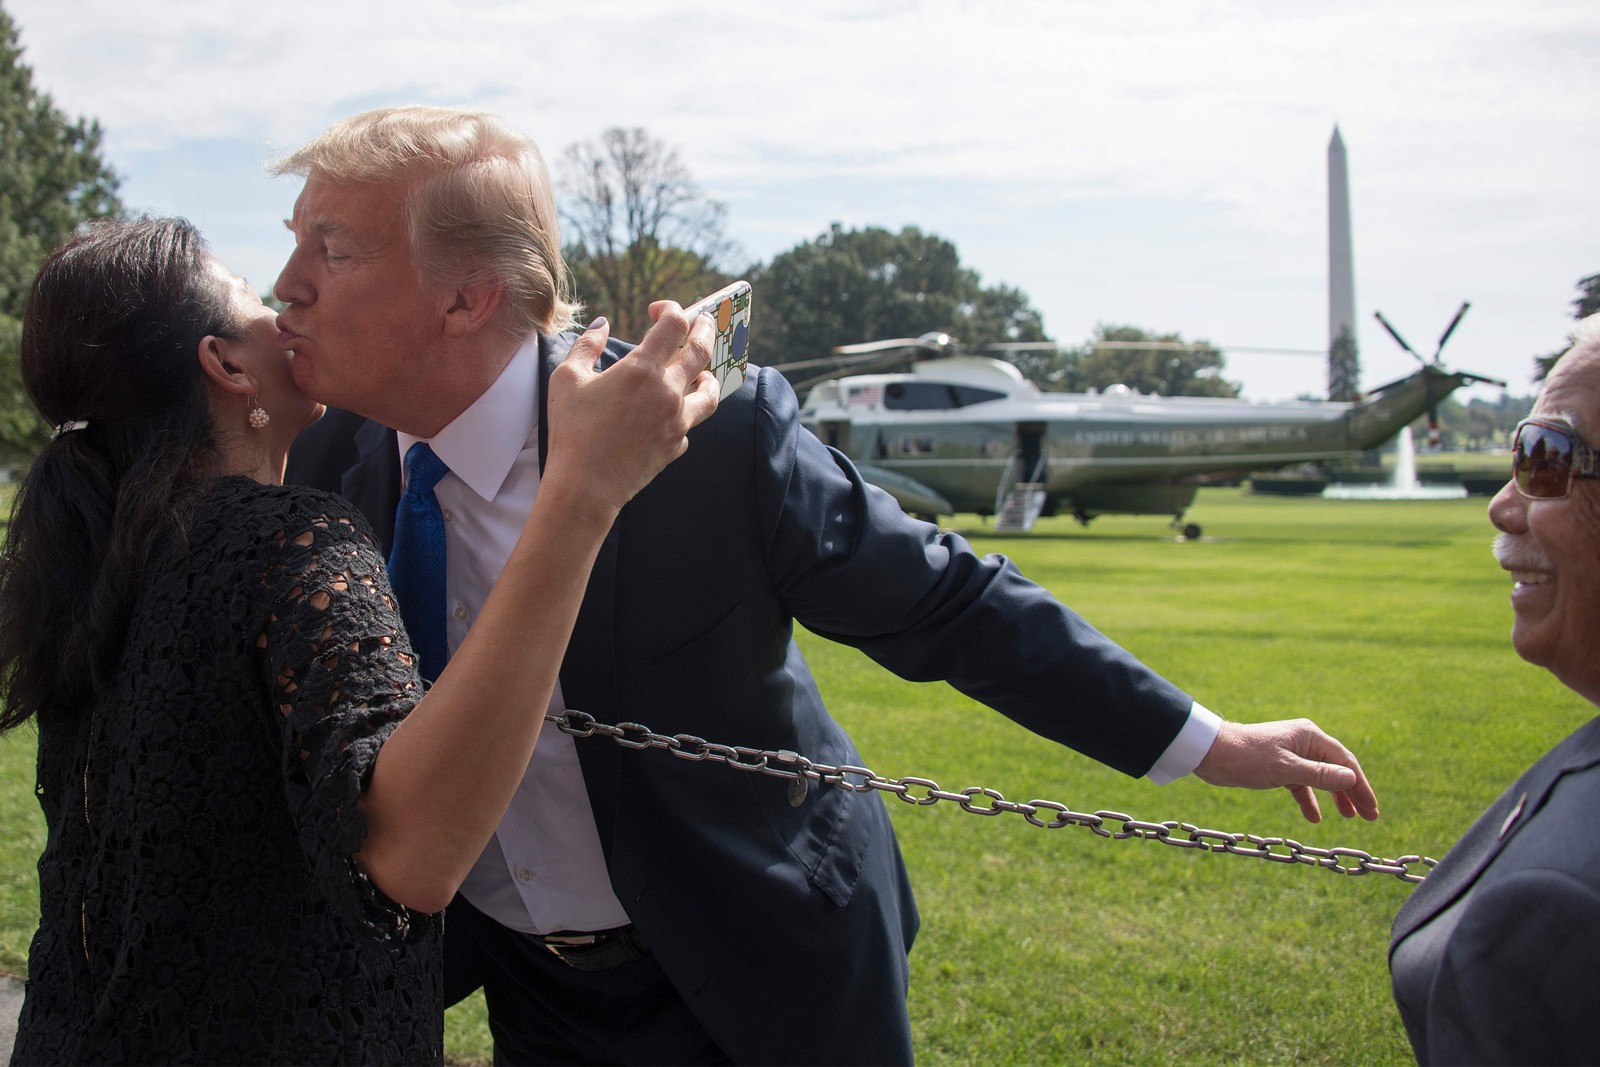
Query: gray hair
[1587, 332]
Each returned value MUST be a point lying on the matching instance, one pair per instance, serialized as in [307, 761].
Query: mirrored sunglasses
[1545, 458]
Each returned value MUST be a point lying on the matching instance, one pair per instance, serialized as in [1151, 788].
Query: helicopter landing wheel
[1191, 531]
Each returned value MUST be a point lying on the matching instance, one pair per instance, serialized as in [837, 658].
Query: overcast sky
[1161, 164]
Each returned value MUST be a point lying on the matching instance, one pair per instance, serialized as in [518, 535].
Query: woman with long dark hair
[253, 810]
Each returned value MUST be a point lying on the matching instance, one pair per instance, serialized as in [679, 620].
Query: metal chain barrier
[976, 800]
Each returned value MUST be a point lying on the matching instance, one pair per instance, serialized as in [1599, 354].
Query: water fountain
[1402, 485]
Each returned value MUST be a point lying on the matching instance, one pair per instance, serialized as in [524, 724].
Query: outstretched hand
[615, 431]
[1296, 754]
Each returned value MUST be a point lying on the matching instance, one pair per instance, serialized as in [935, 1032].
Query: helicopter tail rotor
[1433, 415]
[1427, 385]
[1434, 438]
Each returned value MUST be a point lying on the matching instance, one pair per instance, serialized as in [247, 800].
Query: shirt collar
[482, 443]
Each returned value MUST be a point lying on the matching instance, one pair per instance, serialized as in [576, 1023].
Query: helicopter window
[934, 396]
[917, 396]
[912, 444]
[971, 394]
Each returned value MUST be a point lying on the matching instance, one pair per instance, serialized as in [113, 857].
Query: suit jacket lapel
[1495, 828]
[373, 484]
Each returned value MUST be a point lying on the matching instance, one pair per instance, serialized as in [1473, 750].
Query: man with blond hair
[633, 907]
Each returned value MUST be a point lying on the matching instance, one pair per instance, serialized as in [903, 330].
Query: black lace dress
[199, 901]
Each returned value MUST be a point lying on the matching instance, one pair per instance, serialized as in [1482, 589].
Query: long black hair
[110, 337]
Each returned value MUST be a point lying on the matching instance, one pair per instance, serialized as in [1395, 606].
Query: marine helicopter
[960, 431]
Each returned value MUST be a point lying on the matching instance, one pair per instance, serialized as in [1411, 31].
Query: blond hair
[477, 206]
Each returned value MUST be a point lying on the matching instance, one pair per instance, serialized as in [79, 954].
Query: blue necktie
[416, 563]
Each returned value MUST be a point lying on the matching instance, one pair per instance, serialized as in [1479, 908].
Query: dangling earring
[258, 416]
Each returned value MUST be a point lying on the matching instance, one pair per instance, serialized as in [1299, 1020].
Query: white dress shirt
[543, 870]
[1186, 751]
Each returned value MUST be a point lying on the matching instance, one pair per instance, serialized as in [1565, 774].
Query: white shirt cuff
[1188, 748]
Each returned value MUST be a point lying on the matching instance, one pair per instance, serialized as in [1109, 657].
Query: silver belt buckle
[556, 944]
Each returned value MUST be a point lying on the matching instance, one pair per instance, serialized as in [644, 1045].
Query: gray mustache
[1516, 554]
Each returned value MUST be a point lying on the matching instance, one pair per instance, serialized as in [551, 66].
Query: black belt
[598, 951]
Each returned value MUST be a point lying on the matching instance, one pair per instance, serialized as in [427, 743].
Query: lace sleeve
[341, 674]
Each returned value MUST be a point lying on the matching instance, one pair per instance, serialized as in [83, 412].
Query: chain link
[977, 800]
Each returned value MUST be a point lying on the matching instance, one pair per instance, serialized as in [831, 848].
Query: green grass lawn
[1386, 622]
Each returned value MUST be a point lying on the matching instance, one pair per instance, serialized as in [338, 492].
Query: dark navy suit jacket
[783, 921]
[1496, 956]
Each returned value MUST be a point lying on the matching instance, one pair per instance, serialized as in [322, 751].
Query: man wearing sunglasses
[1494, 956]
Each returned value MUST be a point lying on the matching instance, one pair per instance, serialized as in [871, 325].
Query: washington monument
[1344, 364]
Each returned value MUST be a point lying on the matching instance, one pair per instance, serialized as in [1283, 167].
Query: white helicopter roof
[974, 370]
[866, 390]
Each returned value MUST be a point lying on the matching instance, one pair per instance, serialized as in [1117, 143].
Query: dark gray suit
[784, 921]
[1496, 956]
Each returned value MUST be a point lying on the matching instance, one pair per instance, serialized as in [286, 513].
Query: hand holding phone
[729, 309]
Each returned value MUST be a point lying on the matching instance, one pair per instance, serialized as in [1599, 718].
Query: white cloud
[1159, 163]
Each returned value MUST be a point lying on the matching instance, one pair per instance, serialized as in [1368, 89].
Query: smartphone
[729, 309]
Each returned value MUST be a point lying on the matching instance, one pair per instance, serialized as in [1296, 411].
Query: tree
[1115, 358]
[52, 178]
[638, 228]
[1002, 313]
[1587, 303]
[1344, 367]
[848, 286]
[1477, 424]
[1054, 368]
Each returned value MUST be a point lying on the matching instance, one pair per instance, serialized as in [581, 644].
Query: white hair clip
[68, 427]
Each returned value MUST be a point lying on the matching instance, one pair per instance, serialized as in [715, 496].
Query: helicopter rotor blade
[1023, 346]
[867, 347]
[1450, 329]
[840, 362]
[928, 342]
[1401, 341]
[874, 363]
